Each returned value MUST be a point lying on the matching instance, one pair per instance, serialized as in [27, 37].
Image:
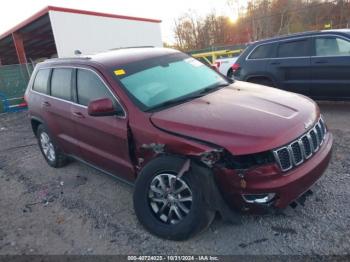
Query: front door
[291, 67]
[103, 140]
[331, 68]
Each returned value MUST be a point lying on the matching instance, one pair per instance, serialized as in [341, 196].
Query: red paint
[84, 12]
[101, 107]
[46, 10]
[18, 42]
[242, 118]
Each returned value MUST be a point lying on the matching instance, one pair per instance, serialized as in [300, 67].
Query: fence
[217, 48]
[13, 83]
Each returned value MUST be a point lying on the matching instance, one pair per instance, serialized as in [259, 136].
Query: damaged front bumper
[267, 187]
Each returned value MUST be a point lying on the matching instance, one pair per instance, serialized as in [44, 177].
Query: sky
[15, 11]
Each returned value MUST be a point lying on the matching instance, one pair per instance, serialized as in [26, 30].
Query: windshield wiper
[213, 88]
[188, 97]
[175, 101]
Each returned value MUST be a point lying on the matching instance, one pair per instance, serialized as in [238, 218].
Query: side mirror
[102, 107]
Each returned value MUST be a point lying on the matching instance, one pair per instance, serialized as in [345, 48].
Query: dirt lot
[78, 210]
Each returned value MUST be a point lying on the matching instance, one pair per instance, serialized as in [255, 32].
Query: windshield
[161, 80]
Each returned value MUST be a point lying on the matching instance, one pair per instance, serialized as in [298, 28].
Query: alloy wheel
[170, 198]
[47, 146]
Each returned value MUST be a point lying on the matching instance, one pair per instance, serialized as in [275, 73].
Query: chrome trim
[321, 132]
[292, 151]
[300, 143]
[317, 141]
[275, 153]
[311, 146]
[71, 102]
[302, 148]
[264, 199]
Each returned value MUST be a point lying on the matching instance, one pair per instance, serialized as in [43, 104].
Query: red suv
[192, 142]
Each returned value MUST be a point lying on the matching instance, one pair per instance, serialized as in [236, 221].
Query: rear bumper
[287, 186]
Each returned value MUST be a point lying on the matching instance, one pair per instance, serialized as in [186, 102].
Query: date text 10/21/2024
[173, 258]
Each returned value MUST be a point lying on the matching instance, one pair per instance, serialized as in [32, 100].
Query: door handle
[45, 104]
[321, 62]
[275, 63]
[78, 115]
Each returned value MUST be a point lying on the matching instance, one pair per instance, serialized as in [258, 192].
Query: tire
[198, 218]
[262, 81]
[51, 152]
[230, 74]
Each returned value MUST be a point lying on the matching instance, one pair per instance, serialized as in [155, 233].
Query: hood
[243, 118]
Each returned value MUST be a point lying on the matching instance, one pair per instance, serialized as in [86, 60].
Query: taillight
[25, 99]
[217, 64]
[235, 67]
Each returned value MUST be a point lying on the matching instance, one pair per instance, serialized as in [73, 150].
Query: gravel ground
[78, 210]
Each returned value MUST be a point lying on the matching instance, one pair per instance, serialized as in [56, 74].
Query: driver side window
[332, 46]
[90, 87]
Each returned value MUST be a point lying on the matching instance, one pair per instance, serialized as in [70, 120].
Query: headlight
[247, 161]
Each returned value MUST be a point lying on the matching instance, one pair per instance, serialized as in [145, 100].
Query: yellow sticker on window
[119, 72]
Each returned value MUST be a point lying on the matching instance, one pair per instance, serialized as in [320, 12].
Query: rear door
[57, 107]
[103, 140]
[291, 66]
[256, 63]
[331, 67]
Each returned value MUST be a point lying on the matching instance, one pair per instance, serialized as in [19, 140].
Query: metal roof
[37, 35]
[46, 10]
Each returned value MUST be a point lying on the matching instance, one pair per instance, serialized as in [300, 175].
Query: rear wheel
[168, 205]
[52, 154]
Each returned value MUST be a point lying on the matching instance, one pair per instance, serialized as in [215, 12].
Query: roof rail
[127, 47]
[68, 58]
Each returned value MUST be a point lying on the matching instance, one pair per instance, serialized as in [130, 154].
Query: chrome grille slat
[283, 158]
[306, 140]
[301, 149]
[314, 139]
[296, 152]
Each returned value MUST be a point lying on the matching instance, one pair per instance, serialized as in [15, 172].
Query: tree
[259, 19]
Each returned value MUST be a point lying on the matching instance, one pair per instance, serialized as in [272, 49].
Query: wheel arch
[35, 122]
[261, 77]
[205, 178]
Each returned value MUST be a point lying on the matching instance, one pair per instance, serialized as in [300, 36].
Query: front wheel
[168, 205]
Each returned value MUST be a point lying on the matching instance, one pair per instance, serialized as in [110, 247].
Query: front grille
[314, 139]
[307, 146]
[302, 148]
[285, 159]
[297, 154]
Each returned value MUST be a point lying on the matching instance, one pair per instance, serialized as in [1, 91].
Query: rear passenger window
[61, 83]
[90, 87]
[41, 81]
[331, 46]
[294, 49]
[263, 51]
